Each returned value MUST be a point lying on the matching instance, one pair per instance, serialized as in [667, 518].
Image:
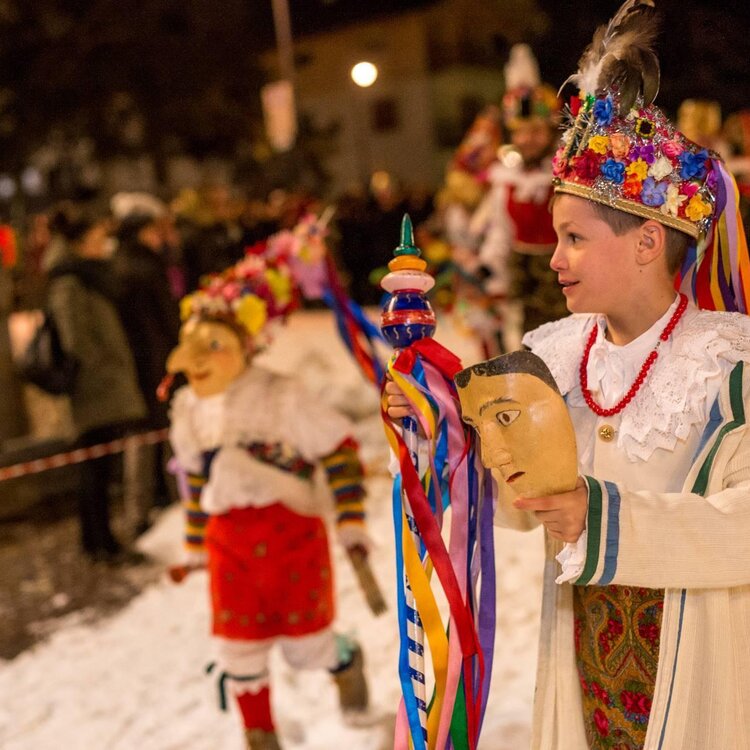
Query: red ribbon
[436, 354]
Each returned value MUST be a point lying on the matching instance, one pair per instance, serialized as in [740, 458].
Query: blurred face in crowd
[533, 139]
[95, 242]
[210, 354]
[152, 236]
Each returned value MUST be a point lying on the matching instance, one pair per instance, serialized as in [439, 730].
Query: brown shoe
[257, 739]
[351, 683]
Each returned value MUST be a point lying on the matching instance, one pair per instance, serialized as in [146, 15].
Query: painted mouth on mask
[514, 476]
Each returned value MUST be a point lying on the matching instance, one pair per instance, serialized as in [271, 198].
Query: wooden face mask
[210, 354]
[526, 436]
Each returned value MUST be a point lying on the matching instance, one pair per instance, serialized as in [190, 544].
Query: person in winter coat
[151, 319]
[106, 400]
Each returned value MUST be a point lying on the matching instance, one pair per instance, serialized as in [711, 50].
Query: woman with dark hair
[105, 399]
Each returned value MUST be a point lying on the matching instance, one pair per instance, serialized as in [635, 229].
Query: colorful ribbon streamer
[716, 272]
[461, 649]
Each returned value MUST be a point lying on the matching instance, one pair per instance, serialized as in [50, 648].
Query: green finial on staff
[407, 246]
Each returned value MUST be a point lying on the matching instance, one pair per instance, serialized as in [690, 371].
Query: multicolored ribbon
[716, 272]
[461, 649]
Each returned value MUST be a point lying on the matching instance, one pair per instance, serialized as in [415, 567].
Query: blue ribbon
[404, 668]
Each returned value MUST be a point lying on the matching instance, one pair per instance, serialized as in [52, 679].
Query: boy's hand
[563, 515]
[398, 404]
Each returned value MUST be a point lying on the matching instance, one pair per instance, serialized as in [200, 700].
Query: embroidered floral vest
[617, 631]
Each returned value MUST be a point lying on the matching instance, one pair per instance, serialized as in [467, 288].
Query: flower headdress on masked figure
[526, 97]
[620, 150]
[256, 295]
[249, 297]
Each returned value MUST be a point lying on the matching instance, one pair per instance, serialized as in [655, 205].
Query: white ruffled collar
[676, 395]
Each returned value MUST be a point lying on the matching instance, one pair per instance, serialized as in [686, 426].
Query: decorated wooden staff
[436, 473]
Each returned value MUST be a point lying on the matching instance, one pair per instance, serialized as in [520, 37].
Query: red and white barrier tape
[79, 455]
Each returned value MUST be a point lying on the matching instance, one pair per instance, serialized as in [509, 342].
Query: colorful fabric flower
[603, 111]
[698, 209]
[599, 144]
[186, 306]
[645, 128]
[632, 186]
[614, 171]
[644, 152]
[689, 188]
[231, 291]
[654, 193]
[693, 166]
[620, 144]
[559, 164]
[661, 168]
[280, 285]
[587, 165]
[252, 313]
[673, 201]
[638, 168]
[672, 149]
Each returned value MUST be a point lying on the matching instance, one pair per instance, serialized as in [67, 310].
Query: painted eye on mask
[215, 345]
[506, 418]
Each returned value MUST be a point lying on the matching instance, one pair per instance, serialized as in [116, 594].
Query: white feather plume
[622, 51]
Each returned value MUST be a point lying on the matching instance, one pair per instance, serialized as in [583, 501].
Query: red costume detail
[270, 573]
[645, 367]
[532, 221]
[256, 710]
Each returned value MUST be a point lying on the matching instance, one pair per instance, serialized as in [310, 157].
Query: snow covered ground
[136, 680]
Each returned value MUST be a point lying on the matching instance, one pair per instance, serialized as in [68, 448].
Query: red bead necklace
[645, 367]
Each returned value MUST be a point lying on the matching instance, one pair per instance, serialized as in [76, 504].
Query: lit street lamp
[364, 74]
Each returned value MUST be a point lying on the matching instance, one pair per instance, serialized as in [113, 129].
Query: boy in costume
[512, 226]
[254, 445]
[644, 639]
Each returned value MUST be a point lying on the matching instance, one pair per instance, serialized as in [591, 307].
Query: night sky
[704, 46]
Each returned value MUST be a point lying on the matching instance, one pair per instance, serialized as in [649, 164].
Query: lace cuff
[572, 558]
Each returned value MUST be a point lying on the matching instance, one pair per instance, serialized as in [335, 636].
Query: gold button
[607, 433]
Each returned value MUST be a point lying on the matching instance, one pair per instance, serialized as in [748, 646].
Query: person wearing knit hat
[255, 446]
[644, 640]
[512, 226]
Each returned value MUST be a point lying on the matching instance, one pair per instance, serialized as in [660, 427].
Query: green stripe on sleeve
[594, 527]
[738, 418]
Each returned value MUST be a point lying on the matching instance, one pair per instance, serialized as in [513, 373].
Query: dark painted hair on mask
[522, 361]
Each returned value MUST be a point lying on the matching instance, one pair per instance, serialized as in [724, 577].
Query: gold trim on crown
[637, 209]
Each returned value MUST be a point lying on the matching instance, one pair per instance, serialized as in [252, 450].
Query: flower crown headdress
[247, 296]
[619, 149]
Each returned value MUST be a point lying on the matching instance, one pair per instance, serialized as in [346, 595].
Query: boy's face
[210, 355]
[596, 268]
[525, 432]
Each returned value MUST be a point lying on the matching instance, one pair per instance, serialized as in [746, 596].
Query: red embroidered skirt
[270, 573]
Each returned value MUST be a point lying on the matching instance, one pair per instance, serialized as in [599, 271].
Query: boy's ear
[652, 242]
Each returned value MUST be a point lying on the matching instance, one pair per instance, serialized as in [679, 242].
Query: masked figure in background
[475, 304]
[253, 445]
[513, 226]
